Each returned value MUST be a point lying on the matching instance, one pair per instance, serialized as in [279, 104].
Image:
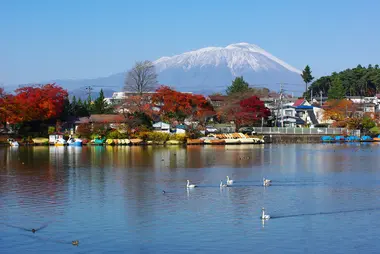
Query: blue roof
[181, 126]
[304, 107]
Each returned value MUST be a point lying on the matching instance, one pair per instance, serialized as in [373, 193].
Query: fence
[306, 131]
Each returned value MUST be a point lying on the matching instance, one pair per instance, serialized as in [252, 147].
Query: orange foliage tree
[137, 104]
[39, 102]
[338, 110]
[10, 110]
[175, 105]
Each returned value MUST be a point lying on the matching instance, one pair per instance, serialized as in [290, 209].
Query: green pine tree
[73, 106]
[100, 105]
[81, 109]
[238, 86]
[336, 91]
[306, 76]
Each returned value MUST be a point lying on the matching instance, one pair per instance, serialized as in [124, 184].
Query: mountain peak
[238, 57]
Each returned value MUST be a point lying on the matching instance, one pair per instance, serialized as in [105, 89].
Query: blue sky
[51, 39]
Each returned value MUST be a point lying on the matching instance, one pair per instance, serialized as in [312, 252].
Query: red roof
[106, 118]
[217, 97]
[298, 102]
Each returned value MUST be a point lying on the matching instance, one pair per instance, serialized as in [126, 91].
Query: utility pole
[311, 96]
[282, 113]
[321, 97]
[88, 91]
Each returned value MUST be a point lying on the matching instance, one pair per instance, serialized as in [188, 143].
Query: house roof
[218, 97]
[181, 126]
[298, 102]
[304, 107]
[161, 125]
[82, 120]
[106, 118]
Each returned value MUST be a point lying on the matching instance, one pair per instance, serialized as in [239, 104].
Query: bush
[84, 130]
[193, 133]
[51, 130]
[178, 137]
[158, 136]
[368, 123]
[115, 134]
[375, 130]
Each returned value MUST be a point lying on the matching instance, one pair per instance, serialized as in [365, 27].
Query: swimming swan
[229, 181]
[263, 215]
[266, 182]
[222, 184]
[190, 185]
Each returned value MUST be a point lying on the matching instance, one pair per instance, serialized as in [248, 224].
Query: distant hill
[209, 70]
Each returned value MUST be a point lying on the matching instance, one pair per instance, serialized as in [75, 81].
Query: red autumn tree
[40, 102]
[248, 111]
[175, 105]
[251, 111]
[10, 110]
[137, 104]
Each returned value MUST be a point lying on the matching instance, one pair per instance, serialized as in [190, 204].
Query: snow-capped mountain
[238, 57]
[211, 69]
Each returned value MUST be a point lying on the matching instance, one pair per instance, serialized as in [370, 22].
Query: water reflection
[119, 191]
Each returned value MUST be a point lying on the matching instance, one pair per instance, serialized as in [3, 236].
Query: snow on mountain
[236, 56]
[211, 69]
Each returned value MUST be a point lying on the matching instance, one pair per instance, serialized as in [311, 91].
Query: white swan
[189, 186]
[263, 215]
[222, 184]
[229, 181]
[266, 182]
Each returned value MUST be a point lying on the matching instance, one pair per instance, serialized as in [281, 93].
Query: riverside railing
[304, 131]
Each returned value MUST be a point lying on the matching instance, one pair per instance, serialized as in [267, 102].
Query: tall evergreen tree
[81, 109]
[306, 76]
[336, 91]
[100, 105]
[73, 106]
[238, 86]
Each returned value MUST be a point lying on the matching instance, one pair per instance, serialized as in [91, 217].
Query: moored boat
[231, 141]
[136, 141]
[98, 141]
[74, 142]
[194, 141]
[327, 139]
[13, 142]
[366, 139]
[60, 142]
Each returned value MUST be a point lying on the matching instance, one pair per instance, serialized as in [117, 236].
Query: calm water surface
[324, 199]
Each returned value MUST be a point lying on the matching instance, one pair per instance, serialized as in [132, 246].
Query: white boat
[232, 141]
[13, 142]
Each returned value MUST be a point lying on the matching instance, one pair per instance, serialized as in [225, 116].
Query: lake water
[324, 199]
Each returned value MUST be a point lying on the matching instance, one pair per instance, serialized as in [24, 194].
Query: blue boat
[327, 139]
[352, 139]
[339, 138]
[75, 142]
[366, 139]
